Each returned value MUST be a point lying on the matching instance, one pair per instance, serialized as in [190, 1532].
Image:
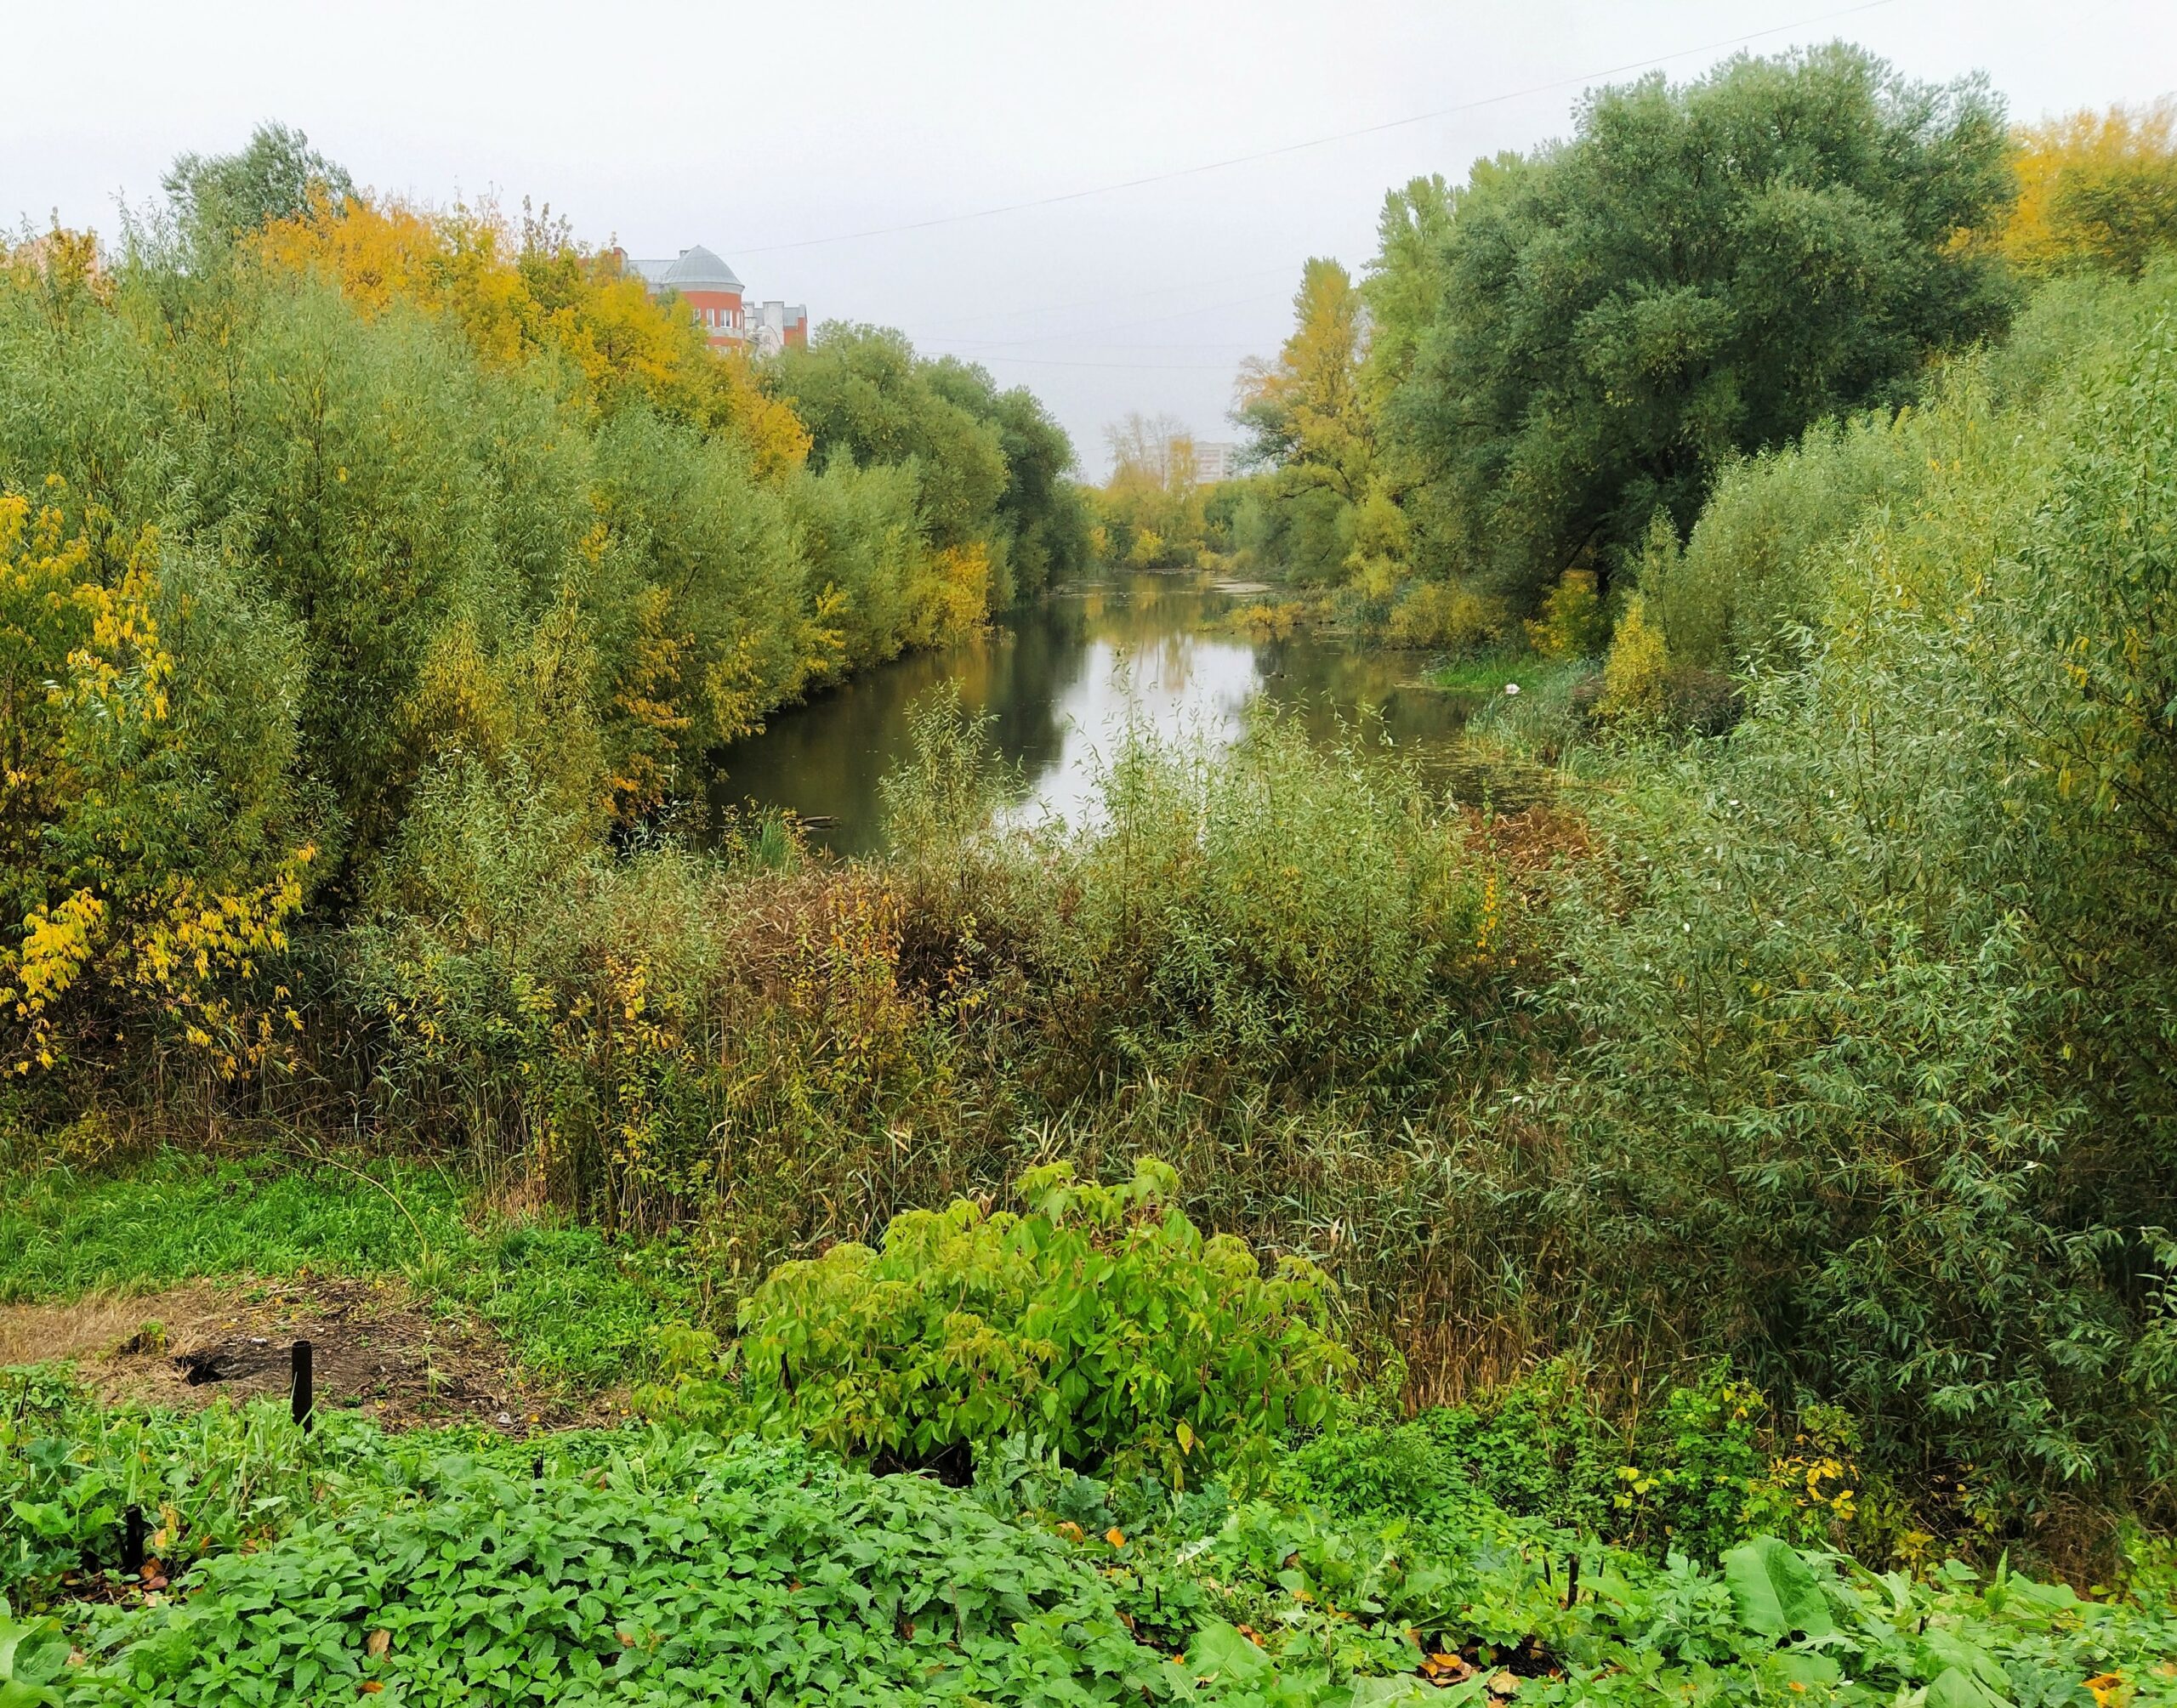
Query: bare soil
[374, 1348]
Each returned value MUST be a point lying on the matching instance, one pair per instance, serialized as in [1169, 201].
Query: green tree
[1405, 284]
[1041, 512]
[864, 393]
[1699, 272]
[278, 176]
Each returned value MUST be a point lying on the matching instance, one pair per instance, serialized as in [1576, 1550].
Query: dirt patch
[373, 1349]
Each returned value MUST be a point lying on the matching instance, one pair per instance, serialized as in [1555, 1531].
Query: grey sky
[754, 128]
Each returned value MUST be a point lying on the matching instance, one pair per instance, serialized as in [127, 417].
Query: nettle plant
[1101, 1324]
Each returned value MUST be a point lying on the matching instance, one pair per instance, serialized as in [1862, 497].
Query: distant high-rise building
[1215, 460]
[712, 291]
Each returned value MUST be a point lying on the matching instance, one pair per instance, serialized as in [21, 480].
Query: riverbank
[1064, 682]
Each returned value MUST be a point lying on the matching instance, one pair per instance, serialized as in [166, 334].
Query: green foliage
[208, 1483]
[1752, 576]
[1774, 1592]
[32, 1653]
[1872, 1041]
[1703, 1470]
[990, 466]
[1699, 272]
[1101, 1322]
[639, 1566]
[1303, 912]
[220, 197]
[172, 1218]
[574, 1308]
[755, 1575]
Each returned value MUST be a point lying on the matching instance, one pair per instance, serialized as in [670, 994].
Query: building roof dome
[699, 270]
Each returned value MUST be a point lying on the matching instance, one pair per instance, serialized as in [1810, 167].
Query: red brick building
[713, 293]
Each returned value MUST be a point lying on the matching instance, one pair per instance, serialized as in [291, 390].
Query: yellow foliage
[2096, 189]
[1447, 615]
[645, 695]
[1636, 674]
[1261, 621]
[82, 660]
[951, 595]
[514, 298]
[1572, 623]
[1309, 399]
[459, 699]
[61, 268]
[56, 946]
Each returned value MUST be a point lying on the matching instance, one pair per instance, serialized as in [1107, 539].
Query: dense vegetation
[676, 1567]
[1377, 1563]
[322, 513]
[1750, 1176]
[1544, 363]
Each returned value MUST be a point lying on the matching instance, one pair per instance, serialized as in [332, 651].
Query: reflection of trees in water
[1046, 652]
[1153, 643]
[828, 759]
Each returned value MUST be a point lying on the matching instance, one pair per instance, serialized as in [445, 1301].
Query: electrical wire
[1311, 142]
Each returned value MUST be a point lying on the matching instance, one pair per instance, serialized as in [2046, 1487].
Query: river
[1062, 679]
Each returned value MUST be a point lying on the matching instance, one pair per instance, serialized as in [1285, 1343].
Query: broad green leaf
[1956, 1687]
[1220, 1652]
[1774, 1592]
[1375, 1692]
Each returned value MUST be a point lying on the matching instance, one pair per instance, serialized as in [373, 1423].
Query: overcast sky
[774, 133]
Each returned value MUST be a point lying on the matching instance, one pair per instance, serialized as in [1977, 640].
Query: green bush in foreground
[1101, 1322]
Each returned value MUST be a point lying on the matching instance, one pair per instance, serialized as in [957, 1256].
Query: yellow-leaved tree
[1305, 407]
[2095, 189]
[516, 294]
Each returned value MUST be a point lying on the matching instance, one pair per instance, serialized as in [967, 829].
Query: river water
[1063, 679]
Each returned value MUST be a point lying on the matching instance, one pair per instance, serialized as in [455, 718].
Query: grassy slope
[572, 1306]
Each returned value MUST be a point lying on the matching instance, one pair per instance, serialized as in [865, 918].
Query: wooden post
[303, 1406]
[1571, 1579]
[132, 1540]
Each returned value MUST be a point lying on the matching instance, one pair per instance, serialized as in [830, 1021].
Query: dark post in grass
[132, 1540]
[303, 1403]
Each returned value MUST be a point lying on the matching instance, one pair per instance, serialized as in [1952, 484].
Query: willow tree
[1701, 271]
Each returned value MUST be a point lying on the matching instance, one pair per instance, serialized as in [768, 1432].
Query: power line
[1232, 367]
[1123, 325]
[1312, 142]
[1282, 269]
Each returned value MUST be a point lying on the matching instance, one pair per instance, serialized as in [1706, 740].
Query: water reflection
[1061, 681]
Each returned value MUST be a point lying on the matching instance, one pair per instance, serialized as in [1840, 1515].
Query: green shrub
[1574, 623]
[1101, 1322]
[1874, 1095]
[1447, 615]
[1280, 911]
[1701, 1471]
[1636, 673]
[1751, 578]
